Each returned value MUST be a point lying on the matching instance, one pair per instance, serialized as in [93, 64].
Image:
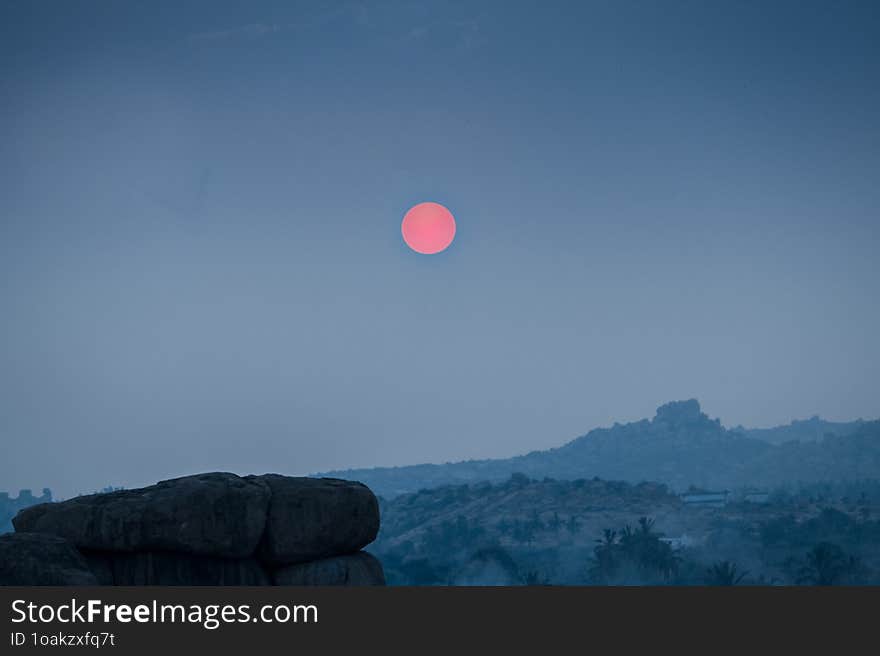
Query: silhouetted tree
[825, 564]
[605, 561]
[637, 553]
[724, 573]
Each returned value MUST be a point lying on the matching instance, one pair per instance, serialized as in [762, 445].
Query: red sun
[428, 228]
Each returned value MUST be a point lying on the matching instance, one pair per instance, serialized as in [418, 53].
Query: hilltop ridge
[680, 446]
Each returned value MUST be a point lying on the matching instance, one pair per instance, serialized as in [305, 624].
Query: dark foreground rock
[354, 569]
[163, 568]
[214, 514]
[312, 518]
[207, 529]
[35, 559]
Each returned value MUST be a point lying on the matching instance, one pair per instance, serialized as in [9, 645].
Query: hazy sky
[201, 265]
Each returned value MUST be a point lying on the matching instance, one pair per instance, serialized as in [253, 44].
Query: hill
[681, 446]
[549, 531]
[814, 429]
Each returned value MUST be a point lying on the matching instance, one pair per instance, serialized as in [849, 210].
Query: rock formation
[36, 559]
[206, 529]
[354, 569]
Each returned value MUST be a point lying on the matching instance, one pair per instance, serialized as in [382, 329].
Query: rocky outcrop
[207, 529]
[209, 514]
[354, 569]
[312, 518]
[35, 559]
[165, 568]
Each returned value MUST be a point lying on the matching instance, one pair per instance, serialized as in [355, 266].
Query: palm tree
[825, 564]
[642, 548]
[646, 526]
[724, 573]
[604, 562]
[608, 539]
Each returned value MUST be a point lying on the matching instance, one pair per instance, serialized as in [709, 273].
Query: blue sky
[200, 204]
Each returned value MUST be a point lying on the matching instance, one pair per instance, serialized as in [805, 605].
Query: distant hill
[525, 531]
[814, 429]
[576, 507]
[681, 446]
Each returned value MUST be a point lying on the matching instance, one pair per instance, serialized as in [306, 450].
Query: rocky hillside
[681, 446]
[814, 429]
[207, 529]
[518, 510]
[523, 531]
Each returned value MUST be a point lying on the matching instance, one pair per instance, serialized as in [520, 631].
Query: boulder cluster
[207, 529]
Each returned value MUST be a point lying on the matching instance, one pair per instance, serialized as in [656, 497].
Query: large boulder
[311, 518]
[351, 570]
[216, 514]
[36, 559]
[163, 568]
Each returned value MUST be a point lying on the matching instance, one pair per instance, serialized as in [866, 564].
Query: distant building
[704, 498]
[9, 506]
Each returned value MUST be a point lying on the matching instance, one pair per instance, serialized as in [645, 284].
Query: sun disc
[428, 228]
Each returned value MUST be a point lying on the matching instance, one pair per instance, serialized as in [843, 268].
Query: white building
[706, 499]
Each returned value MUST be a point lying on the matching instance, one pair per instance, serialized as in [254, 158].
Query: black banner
[149, 620]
